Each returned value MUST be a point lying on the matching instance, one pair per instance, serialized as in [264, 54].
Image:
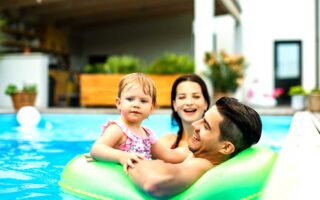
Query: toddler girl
[125, 140]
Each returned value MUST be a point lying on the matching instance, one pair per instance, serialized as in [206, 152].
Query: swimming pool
[33, 159]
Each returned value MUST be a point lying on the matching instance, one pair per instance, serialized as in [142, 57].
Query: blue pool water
[33, 159]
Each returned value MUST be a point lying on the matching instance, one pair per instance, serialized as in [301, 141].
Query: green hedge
[168, 63]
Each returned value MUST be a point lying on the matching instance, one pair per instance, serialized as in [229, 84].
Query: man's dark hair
[241, 124]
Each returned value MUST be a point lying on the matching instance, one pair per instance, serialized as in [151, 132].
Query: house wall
[266, 21]
[30, 69]
[225, 30]
[263, 22]
[146, 40]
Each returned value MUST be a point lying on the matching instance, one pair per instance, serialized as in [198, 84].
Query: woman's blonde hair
[143, 80]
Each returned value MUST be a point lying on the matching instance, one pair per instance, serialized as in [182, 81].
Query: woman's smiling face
[189, 103]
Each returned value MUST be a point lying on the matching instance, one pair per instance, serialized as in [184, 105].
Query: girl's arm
[104, 148]
[161, 152]
[168, 140]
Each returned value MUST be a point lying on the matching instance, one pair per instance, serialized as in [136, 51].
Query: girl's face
[189, 102]
[134, 104]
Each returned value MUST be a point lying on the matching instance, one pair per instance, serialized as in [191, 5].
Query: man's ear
[227, 148]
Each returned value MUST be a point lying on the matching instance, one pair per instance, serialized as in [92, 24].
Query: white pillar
[203, 30]
[238, 38]
[317, 70]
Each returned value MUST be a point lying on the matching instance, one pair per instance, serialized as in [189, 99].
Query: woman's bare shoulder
[169, 136]
[168, 139]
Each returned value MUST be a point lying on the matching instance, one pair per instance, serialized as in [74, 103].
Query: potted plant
[24, 97]
[225, 72]
[314, 100]
[298, 95]
[98, 85]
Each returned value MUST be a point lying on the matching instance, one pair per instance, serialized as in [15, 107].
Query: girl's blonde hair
[143, 80]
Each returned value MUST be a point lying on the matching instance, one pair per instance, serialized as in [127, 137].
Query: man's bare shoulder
[197, 164]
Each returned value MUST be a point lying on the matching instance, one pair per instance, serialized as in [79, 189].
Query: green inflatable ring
[242, 177]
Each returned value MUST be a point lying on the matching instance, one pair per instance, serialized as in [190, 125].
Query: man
[225, 130]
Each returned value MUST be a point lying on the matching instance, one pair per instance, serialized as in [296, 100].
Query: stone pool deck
[296, 172]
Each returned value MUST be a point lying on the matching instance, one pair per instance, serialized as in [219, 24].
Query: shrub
[297, 90]
[115, 64]
[171, 63]
[122, 64]
[315, 90]
[168, 63]
[12, 89]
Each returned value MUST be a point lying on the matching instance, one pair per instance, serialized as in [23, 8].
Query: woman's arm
[164, 179]
[105, 147]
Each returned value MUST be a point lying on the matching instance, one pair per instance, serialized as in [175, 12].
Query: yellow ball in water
[28, 116]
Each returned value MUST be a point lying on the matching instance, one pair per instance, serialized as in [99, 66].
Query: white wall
[147, 40]
[225, 30]
[30, 69]
[211, 33]
[265, 21]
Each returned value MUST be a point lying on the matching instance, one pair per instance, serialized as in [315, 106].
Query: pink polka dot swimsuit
[134, 143]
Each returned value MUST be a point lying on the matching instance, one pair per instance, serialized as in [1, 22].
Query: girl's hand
[130, 160]
[89, 158]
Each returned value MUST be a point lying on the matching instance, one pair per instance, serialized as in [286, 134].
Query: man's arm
[163, 179]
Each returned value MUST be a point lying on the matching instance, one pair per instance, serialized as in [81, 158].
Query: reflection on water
[31, 169]
[10, 174]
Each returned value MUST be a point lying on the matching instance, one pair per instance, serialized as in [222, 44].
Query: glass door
[287, 65]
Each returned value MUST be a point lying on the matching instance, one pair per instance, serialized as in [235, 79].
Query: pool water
[33, 159]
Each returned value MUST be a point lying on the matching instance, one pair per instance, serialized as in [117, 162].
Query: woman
[189, 100]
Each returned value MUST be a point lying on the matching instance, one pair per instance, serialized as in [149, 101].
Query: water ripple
[6, 174]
